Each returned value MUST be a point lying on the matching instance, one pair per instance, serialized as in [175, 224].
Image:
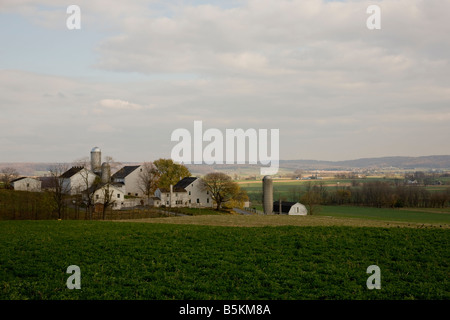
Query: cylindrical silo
[96, 160]
[106, 172]
[267, 195]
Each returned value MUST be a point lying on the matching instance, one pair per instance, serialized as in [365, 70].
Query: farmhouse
[289, 208]
[129, 176]
[26, 184]
[188, 192]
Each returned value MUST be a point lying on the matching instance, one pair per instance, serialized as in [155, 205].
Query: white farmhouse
[130, 177]
[76, 180]
[188, 192]
[26, 184]
[289, 208]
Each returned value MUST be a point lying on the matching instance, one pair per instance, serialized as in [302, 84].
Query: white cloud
[310, 68]
[117, 104]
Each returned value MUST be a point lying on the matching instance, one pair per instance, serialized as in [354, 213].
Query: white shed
[26, 184]
[290, 208]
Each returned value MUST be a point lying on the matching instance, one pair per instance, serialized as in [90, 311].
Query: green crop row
[159, 261]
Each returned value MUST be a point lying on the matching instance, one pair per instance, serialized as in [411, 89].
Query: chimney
[170, 197]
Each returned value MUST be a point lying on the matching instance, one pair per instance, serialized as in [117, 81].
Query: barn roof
[183, 183]
[71, 172]
[18, 179]
[124, 171]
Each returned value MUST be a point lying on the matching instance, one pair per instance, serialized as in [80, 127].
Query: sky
[138, 70]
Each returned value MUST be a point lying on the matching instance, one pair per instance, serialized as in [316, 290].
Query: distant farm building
[76, 180]
[113, 194]
[26, 184]
[129, 176]
[289, 208]
[188, 192]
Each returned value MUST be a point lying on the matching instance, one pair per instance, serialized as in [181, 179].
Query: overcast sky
[138, 70]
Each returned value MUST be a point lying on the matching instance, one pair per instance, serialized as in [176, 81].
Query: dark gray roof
[285, 206]
[183, 183]
[71, 172]
[125, 171]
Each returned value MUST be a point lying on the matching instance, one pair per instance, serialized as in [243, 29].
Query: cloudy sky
[137, 70]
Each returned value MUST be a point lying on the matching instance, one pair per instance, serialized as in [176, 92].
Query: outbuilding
[26, 184]
[289, 208]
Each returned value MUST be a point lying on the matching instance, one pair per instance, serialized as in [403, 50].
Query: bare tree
[312, 198]
[7, 175]
[107, 198]
[89, 185]
[148, 179]
[60, 189]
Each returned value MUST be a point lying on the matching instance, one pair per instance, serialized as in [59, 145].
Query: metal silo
[96, 160]
[267, 194]
[106, 172]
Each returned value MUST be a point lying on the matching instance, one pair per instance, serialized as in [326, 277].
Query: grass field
[419, 215]
[122, 260]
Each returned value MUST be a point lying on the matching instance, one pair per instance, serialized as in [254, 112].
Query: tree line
[379, 194]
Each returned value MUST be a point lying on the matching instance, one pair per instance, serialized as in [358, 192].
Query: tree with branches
[148, 179]
[7, 175]
[221, 187]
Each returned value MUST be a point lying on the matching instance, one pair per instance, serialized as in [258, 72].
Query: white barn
[289, 208]
[76, 180]
[26, 184]
[129, 176]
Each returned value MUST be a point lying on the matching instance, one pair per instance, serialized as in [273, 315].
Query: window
[118, 195]
[167, 202]
[28, 185]
[136, 194]
[168, 195]
[207, 200]
[207, 192]
[97, 196]
[198, 200]
[176, 194]
[189, 193]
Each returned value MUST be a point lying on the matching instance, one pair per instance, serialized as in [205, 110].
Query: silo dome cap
[95, 149]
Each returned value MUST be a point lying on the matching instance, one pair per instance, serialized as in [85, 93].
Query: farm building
[26, 184]
[188, 192]
[129, 176]
[112, 193]
[289, 208]
[76, 180]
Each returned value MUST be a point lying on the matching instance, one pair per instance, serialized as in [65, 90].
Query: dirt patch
[283, 220]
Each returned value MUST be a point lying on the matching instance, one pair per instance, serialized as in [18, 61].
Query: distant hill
[424, 162]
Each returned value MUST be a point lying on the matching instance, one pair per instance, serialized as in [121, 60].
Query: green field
[422, 215]
[168, 261]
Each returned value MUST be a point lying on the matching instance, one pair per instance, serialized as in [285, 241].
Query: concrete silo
[267, 194]
[96, 160]
[106, 172]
